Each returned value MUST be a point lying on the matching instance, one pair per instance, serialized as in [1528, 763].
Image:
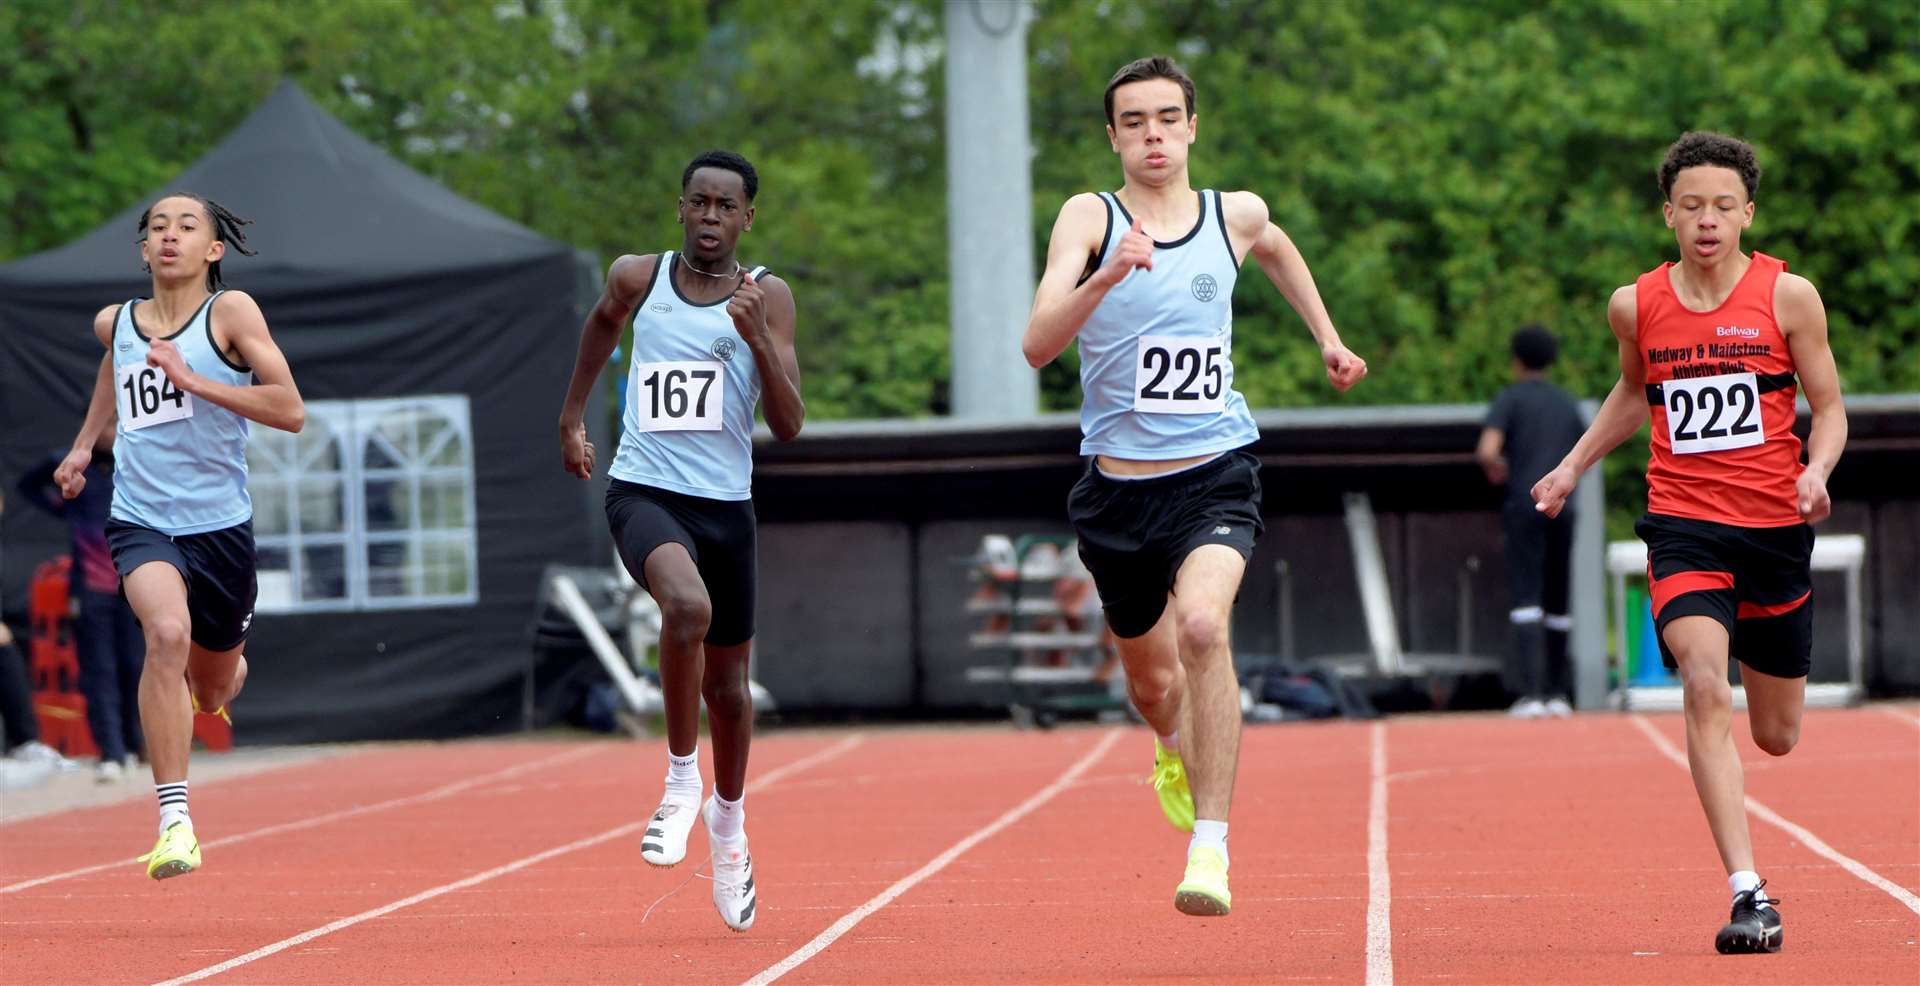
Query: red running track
[1517, 852]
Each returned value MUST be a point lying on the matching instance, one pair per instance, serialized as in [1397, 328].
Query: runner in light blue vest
[185, 371]
[712, 339]
[1169, 508]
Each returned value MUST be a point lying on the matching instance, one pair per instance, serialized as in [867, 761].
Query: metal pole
[989, 209]
[1587, 642]
[1463, 625]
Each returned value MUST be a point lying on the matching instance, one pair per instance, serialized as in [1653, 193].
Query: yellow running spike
[1170, 782]
[175, 854]
[1204, 891]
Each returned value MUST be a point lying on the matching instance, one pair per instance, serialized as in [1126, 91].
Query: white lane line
[938, 863]
[1896, 712]
[443, 791]
[1379, 877]
[761, 784]
[1771, 817]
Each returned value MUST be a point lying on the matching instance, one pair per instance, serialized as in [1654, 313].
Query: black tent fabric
[377, 283]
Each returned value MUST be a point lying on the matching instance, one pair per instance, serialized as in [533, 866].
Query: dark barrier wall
[865, 528]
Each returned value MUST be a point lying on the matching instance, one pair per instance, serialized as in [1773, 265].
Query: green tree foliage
[1449, 170]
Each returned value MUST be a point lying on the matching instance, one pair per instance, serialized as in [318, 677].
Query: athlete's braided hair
[226, 229]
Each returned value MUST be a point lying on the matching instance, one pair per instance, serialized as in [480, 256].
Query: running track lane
[1081, 891]
[118, 926]
[1853, 781]
[823, 842]
[1575, 852]
[297, 797]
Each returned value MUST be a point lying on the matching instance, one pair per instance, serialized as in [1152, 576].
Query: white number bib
[146, 397]
[686, 396]
[1708, 414]
[1180, 375]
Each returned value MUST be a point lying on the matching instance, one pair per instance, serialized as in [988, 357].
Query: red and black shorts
[1755, 581]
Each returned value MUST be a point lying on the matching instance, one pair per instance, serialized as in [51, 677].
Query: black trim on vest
[1769, 382]
[654, 275]
[694, 304]
[1220, 216]
[1099, 256]
[1182, 241]
[217, 351]
[176, 334]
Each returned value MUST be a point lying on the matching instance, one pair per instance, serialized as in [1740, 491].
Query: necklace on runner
[689, 265]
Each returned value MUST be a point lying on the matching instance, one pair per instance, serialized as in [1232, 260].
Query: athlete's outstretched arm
[1063, 301]
[102, 416]
[1621, 414]
[763, 313]
[627, 280]
[1803, 320]
[1288, 271]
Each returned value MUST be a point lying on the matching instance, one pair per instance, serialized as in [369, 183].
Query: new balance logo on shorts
[1223, 529]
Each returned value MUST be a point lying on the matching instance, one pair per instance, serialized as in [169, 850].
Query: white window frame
[353, 424]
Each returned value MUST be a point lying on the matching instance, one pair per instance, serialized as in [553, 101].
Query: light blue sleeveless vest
[692, 387]
[179, 464]
[1156, 356]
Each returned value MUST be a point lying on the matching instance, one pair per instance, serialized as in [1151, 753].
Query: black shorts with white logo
[1755, 581]
[218, 567]
[720, 535]
[1135, 533]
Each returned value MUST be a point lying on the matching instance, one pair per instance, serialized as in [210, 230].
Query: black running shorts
[217, 566]
[719, 534]
[1755, 581]
[1135, 533]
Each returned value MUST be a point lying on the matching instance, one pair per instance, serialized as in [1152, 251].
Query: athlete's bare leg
[729, 716]
[159, 600]
[1774, 709]
[1699, 646]
[1204, 590]
[685, 613]
[215, 677]
[1156, 682]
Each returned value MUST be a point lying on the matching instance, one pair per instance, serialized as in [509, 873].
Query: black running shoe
[1753, 929]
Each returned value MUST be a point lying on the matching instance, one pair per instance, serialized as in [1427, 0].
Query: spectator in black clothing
[1531, 426]
[107, 638]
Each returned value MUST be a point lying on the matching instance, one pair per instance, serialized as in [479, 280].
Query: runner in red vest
[1715, 345]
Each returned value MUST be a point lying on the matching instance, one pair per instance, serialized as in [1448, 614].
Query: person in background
[107, 637]
[1531, 426]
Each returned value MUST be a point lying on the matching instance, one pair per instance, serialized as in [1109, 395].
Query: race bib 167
[683, 396]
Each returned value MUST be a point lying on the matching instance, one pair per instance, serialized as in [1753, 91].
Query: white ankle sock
[1171, 742]
[173, 804]
[728, 822]
[683, 776]
[1207, 832]
[1743, 881]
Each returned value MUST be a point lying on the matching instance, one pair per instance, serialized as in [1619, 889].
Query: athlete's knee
[1707, 696]
[235, 681]
[684, 616]
[1202, 632]
[727, 695]
[1153, 686]
[168, 639]
[1775, 737]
